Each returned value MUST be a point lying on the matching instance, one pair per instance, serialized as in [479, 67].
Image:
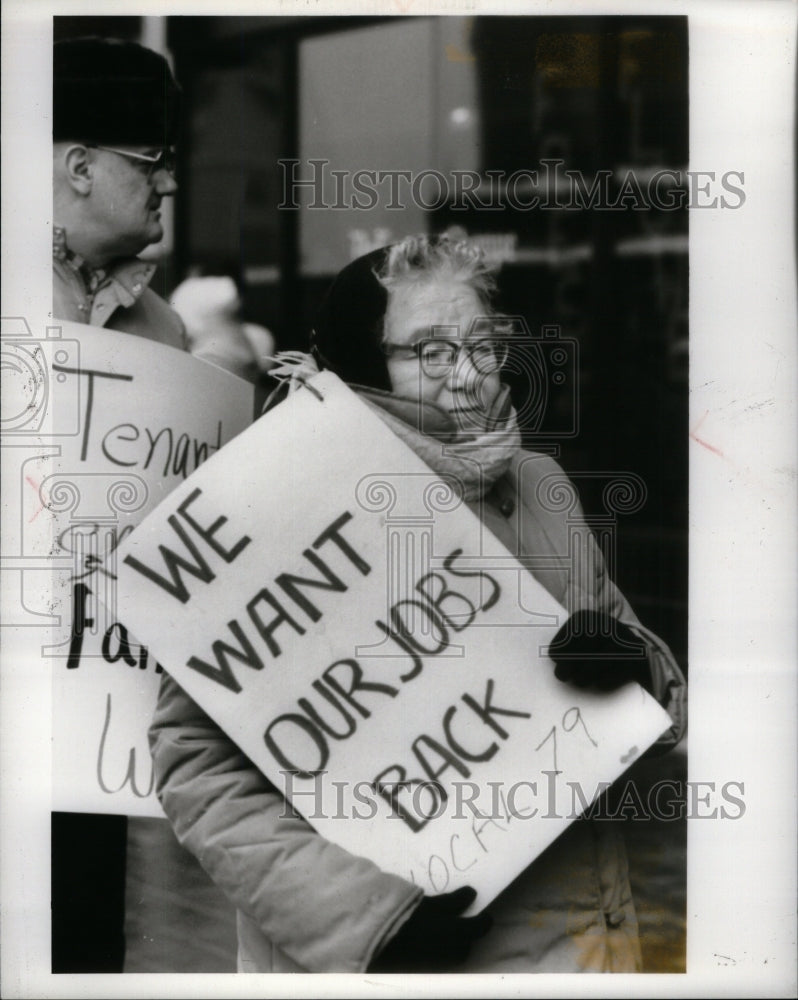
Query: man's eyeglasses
[438, 356]
[164, 159]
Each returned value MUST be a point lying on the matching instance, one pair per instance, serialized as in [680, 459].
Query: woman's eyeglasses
[164, 159]
[438, 356]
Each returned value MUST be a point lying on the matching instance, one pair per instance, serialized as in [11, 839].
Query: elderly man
[115, 108]
[115, 121]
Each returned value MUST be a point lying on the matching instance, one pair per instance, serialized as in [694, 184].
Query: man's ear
[79, 169]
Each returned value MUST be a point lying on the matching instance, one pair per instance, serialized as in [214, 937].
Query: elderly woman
[408, 328]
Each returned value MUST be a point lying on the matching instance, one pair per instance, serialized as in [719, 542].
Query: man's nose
[163, 182]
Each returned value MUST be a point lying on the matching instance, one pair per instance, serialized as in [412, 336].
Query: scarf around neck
[471, 463]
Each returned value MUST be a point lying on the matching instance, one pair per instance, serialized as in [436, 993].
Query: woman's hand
[593, 649]
[436, 937]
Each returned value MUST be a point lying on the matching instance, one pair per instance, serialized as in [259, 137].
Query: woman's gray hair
[425, 258]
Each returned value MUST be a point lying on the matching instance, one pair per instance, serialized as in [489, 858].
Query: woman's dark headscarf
[347, 332]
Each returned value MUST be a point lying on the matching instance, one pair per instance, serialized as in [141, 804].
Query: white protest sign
[372, 648]
[131, 419]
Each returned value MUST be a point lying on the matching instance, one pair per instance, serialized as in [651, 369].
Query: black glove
[593, 649]
[435, 937]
